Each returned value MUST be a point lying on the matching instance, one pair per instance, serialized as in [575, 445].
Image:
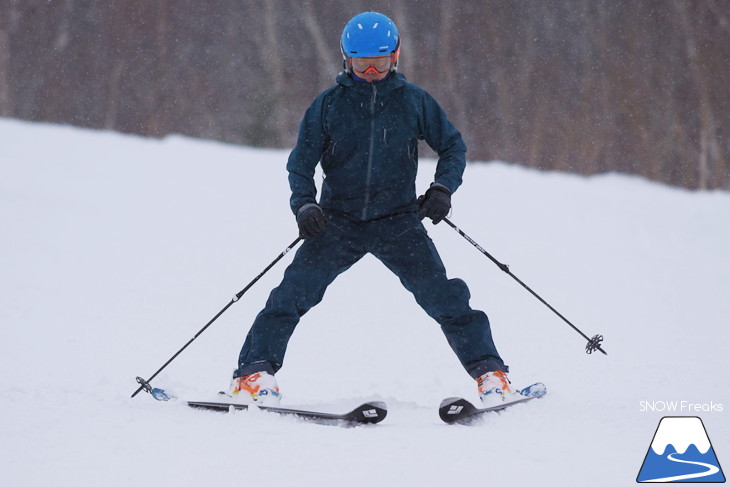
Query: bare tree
[577, 85]
[8, 22]
[321, 48]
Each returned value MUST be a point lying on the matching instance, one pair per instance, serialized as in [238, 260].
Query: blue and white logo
[681, 452]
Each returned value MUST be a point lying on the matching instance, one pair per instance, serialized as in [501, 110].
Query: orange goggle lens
[381, 64]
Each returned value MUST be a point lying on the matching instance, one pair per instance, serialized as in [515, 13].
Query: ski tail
[537, 389]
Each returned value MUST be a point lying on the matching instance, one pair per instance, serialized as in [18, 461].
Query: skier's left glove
[435, 204]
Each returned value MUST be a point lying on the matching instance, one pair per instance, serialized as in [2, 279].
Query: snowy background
[115, 250]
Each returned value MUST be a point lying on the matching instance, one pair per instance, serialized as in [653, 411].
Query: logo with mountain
[681, 452]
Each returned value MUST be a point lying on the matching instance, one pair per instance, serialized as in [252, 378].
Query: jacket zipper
[370, 155]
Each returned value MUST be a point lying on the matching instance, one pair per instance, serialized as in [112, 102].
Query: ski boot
[257, 388]
[495, 389]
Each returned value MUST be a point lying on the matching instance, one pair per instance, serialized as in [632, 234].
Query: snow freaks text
[680, 407]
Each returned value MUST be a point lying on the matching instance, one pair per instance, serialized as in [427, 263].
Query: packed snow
[115, 250]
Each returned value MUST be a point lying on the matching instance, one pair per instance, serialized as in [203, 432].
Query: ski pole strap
[593, 343]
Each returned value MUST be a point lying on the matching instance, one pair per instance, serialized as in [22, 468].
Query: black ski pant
[402, 244]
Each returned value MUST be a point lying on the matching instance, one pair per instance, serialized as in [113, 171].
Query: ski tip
[449, 400]
[370, 412]
[456, 410]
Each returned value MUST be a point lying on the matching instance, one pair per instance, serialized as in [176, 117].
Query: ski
[367, 413]
[457, 410]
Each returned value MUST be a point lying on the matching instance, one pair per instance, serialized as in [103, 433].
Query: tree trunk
[8, 17]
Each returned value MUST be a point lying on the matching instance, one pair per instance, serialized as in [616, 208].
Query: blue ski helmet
[370, 34]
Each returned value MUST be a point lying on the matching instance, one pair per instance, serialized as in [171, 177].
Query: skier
[364, 132]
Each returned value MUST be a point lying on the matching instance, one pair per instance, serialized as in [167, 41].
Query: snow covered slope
[115, 250]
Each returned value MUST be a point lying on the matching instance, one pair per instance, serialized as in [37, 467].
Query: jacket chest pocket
[413, 151]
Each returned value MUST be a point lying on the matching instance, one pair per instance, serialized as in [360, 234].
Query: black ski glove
[435, 204]
[311, 221]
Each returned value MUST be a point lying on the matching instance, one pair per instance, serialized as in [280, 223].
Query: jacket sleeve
[441, 135]
[303, 160]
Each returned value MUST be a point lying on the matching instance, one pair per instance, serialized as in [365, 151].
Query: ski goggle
[380, 64]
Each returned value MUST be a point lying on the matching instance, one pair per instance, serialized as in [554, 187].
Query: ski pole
[145, 384]
[593, 343]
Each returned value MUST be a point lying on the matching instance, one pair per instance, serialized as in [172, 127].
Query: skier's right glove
[311, 221]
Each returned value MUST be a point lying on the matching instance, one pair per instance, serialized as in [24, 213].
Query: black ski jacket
[365, 135]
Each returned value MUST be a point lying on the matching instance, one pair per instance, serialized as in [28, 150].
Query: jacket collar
[392, 82]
